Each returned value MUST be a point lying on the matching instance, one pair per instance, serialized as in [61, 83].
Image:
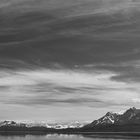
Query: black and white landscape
[128, 121]
[65, 63]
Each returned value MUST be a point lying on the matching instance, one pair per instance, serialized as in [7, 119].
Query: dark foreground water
[65, 137]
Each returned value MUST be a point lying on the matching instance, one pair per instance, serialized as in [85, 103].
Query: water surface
[65, 137]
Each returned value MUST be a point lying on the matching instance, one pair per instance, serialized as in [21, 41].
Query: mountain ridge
[128, 121]
[130, 117]
[73, 124]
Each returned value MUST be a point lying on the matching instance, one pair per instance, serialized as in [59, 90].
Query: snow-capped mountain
[8, 123]
[109, 118]
[75, 124]
[12, 124]
[130, 116]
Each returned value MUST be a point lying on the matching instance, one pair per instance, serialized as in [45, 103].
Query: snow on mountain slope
[130, 116]
[42, 124]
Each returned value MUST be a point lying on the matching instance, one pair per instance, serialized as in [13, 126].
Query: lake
[65, 137]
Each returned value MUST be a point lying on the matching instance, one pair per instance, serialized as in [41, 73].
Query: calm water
[64, 137]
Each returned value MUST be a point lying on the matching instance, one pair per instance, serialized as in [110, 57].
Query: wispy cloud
[75, 87]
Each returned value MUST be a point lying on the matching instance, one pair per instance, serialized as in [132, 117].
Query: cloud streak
[75, 87]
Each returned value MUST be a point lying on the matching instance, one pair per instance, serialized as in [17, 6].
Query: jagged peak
[132, 109]
[110, 113]
[114, 113]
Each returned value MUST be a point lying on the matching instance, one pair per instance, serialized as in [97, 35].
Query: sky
[65, 60]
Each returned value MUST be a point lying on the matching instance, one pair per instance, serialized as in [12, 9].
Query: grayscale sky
[68, 59]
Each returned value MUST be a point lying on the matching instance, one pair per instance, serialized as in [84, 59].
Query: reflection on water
[64, 137]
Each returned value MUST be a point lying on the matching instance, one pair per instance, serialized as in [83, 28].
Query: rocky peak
[131, 115]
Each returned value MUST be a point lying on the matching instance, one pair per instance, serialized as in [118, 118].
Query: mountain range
[110, 122]
[131, 116]
[74, 124]
[127, 121]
